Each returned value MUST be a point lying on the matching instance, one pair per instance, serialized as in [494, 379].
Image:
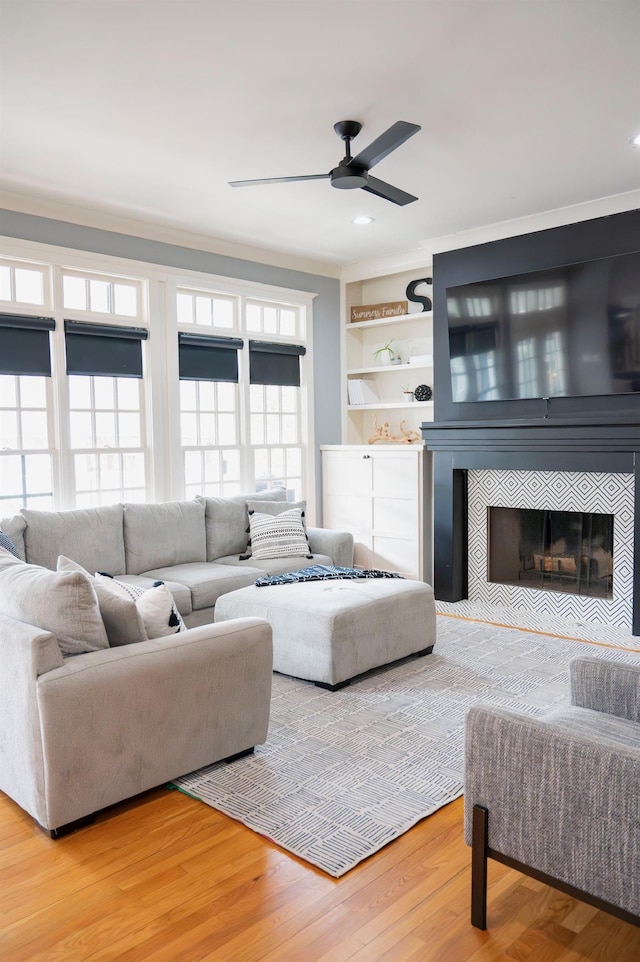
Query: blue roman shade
[104, 349]
[24, 344]
[208, 358]
[271, 363]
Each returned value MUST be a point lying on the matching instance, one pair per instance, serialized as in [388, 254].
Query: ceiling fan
[353, 172]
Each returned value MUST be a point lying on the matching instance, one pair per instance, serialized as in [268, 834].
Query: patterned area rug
[344, 773]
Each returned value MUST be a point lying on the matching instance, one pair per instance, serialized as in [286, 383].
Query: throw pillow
[272, 508]
[282, 536]
[14, 527]
[122, 620]
[156, 605]
[62, 602]
[7, 543]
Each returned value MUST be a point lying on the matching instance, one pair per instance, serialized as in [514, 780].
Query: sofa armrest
[337, 544]
[562, 802]
[606, 686]
[133, 717]
[26, 653]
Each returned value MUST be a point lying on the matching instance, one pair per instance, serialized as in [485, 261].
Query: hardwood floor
[168, 879]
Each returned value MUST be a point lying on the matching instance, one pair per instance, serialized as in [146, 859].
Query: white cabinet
[411, 336]
[378, 493]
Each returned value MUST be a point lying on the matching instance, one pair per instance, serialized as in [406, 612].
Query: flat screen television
[563, 332]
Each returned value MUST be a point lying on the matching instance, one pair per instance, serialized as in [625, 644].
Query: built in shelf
[386, 321]
[389, 368]
[378, 405]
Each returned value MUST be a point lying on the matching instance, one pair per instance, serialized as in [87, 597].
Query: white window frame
[160, 356]
[246, 291]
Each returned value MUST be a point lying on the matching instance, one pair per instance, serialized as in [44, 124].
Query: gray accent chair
[558, 797]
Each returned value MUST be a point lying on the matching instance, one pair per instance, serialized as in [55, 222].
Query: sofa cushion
[14, 529]
[90, 536]
[62, 602]
[273, 508]
[226, 521]
[155, 605]
[181, 594]
[275, 566]
[163, 534]
[122, 620]
[280, 536]
[207, 580]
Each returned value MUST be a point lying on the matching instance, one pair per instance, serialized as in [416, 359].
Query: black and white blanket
[324, 573]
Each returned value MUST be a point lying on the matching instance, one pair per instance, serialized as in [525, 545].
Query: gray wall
[326, 305]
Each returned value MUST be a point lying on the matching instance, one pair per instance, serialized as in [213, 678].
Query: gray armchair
[558, 797]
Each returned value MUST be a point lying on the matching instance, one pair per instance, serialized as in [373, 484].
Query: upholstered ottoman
[330, 631]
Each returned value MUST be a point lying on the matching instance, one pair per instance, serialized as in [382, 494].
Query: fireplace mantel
[599, 444]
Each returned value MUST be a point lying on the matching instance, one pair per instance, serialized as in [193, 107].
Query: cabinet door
[396, 477]
[397, 516]
[346, 485]
[396, 554]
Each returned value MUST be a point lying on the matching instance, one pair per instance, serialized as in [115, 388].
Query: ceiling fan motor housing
[347, 177]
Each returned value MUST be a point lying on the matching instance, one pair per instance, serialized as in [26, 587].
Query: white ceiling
[147, 108]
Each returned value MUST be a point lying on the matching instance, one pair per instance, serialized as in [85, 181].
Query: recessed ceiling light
[363, 219]
[635, 141]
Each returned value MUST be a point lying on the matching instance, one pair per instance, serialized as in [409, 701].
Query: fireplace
[536, 447]
[582, 477]
[566, 551]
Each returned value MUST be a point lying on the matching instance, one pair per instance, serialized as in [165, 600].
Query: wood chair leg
[479, 846]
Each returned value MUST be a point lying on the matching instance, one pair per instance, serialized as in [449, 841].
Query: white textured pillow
[282, 536]
[155, 605]
[122, 620]
[62, 602]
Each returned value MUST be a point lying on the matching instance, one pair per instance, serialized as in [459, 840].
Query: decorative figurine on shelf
[408, 437]
[382, 433]
[417, 298]
[423, 392]
[387, 354]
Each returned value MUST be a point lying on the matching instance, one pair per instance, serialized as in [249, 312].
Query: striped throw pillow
[282, 536]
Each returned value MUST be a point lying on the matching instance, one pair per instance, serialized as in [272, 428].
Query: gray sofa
[81, 733]
[193, 546]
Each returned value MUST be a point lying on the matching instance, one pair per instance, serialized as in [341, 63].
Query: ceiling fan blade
[384, 144]
[276, 180]
[388, 192]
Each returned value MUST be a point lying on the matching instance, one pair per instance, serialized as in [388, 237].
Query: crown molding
[419, 257]
[102, 220]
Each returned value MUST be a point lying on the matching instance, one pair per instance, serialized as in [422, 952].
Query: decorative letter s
[412, 296]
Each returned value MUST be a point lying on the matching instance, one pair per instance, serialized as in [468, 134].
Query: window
[275, 415]
[100, 295]
[206, 309]
[272, 319]
[106, 427]
[23, 283]
[145, 384]
[106, 439]
[241, 402]
[25, 369]
[209, 428]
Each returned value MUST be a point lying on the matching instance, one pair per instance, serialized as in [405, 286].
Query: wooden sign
[377, 312]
